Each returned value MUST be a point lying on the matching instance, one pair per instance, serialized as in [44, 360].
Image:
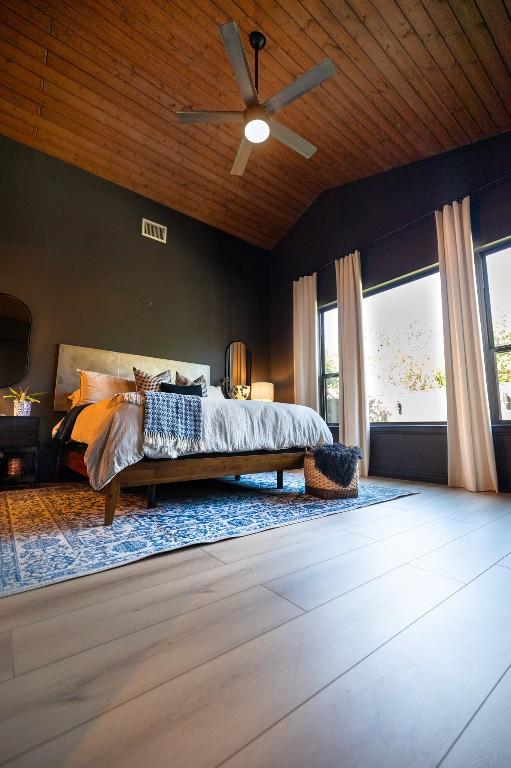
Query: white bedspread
[114, 432]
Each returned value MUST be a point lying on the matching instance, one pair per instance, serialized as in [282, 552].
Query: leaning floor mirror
[238, 370]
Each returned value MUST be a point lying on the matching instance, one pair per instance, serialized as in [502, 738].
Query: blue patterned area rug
[52, 534]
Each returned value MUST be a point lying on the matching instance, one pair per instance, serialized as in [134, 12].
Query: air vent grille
[154, 231]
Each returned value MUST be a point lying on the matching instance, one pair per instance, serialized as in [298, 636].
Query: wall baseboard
[417, 476]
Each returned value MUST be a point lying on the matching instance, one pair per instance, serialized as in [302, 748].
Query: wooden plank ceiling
[96, 83]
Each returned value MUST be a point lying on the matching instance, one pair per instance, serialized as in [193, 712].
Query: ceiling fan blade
[209, 117]
[232, 41]
[291, 139]
[300, 86]
[241, 159]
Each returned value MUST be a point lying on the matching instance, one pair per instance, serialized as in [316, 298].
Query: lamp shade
[263, 390]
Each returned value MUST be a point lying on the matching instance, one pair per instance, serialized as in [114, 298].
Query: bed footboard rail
[152, 472]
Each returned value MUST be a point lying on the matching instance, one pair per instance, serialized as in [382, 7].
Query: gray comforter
[113, 431]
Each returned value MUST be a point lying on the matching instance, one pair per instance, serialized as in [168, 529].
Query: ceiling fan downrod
[257, 41]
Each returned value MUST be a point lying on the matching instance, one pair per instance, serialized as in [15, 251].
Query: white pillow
[215, 393]
[96, 386]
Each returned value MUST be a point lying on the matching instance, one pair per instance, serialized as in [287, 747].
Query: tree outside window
[404, 356]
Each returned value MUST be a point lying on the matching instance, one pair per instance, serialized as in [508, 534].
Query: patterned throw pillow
[146, 382]
[184, 381]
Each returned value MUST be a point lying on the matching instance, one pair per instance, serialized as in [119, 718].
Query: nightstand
[19, 439]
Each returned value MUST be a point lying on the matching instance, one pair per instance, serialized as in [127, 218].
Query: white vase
[22, 407]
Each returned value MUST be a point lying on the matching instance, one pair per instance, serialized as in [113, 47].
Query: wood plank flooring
[378, 637]
[6, 656]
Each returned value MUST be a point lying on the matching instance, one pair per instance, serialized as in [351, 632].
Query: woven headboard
[71, 359]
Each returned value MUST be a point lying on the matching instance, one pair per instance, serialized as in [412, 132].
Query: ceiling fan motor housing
[255, 112]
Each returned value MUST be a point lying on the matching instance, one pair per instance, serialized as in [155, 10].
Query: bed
[239, 437]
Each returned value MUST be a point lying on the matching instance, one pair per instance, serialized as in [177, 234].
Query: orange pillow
[74, 398]
[96, 386]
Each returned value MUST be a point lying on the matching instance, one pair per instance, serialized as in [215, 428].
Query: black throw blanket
[63, 433]
[338, 462]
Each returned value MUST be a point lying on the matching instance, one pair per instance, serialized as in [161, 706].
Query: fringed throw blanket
[170, 421]
[338, 462]
[173, 421]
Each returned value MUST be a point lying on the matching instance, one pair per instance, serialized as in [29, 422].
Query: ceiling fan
[257, 118]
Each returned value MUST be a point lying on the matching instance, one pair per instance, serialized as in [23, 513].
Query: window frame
[396, 282]
[323, 376]
[490, 349]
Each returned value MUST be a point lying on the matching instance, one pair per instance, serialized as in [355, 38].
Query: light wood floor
[380, 637]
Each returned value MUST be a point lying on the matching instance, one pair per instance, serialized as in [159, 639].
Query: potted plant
[22, 400]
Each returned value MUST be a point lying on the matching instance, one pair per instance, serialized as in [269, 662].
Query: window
[404, 354]
[496, 290]
[329, 365]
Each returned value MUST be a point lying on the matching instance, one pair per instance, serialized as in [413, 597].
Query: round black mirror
[15, 326]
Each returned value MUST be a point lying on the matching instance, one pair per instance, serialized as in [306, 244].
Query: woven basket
[317, 484]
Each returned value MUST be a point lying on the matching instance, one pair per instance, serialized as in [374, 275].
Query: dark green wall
[71, 249]
[355, 215]
[352, 216]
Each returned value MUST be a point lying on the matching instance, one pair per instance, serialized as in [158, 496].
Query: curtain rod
[364, 247]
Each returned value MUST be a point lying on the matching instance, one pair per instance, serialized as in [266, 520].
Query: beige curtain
[353, 407]
[471, 458]
[305, 341]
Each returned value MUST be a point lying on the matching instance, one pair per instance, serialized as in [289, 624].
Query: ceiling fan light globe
[257, 131]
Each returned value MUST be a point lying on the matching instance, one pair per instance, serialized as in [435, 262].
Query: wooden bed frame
[152, 472]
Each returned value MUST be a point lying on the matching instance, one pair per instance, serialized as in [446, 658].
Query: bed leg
[111, 497]
[280, 478]
[237, 477]
[57, 472]
[151, 496]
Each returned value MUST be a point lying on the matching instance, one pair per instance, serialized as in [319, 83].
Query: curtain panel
[305, 341]
[471, 457]
[353, 406]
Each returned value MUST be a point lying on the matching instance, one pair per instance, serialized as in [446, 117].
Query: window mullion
[325, 377]
[487, 335]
